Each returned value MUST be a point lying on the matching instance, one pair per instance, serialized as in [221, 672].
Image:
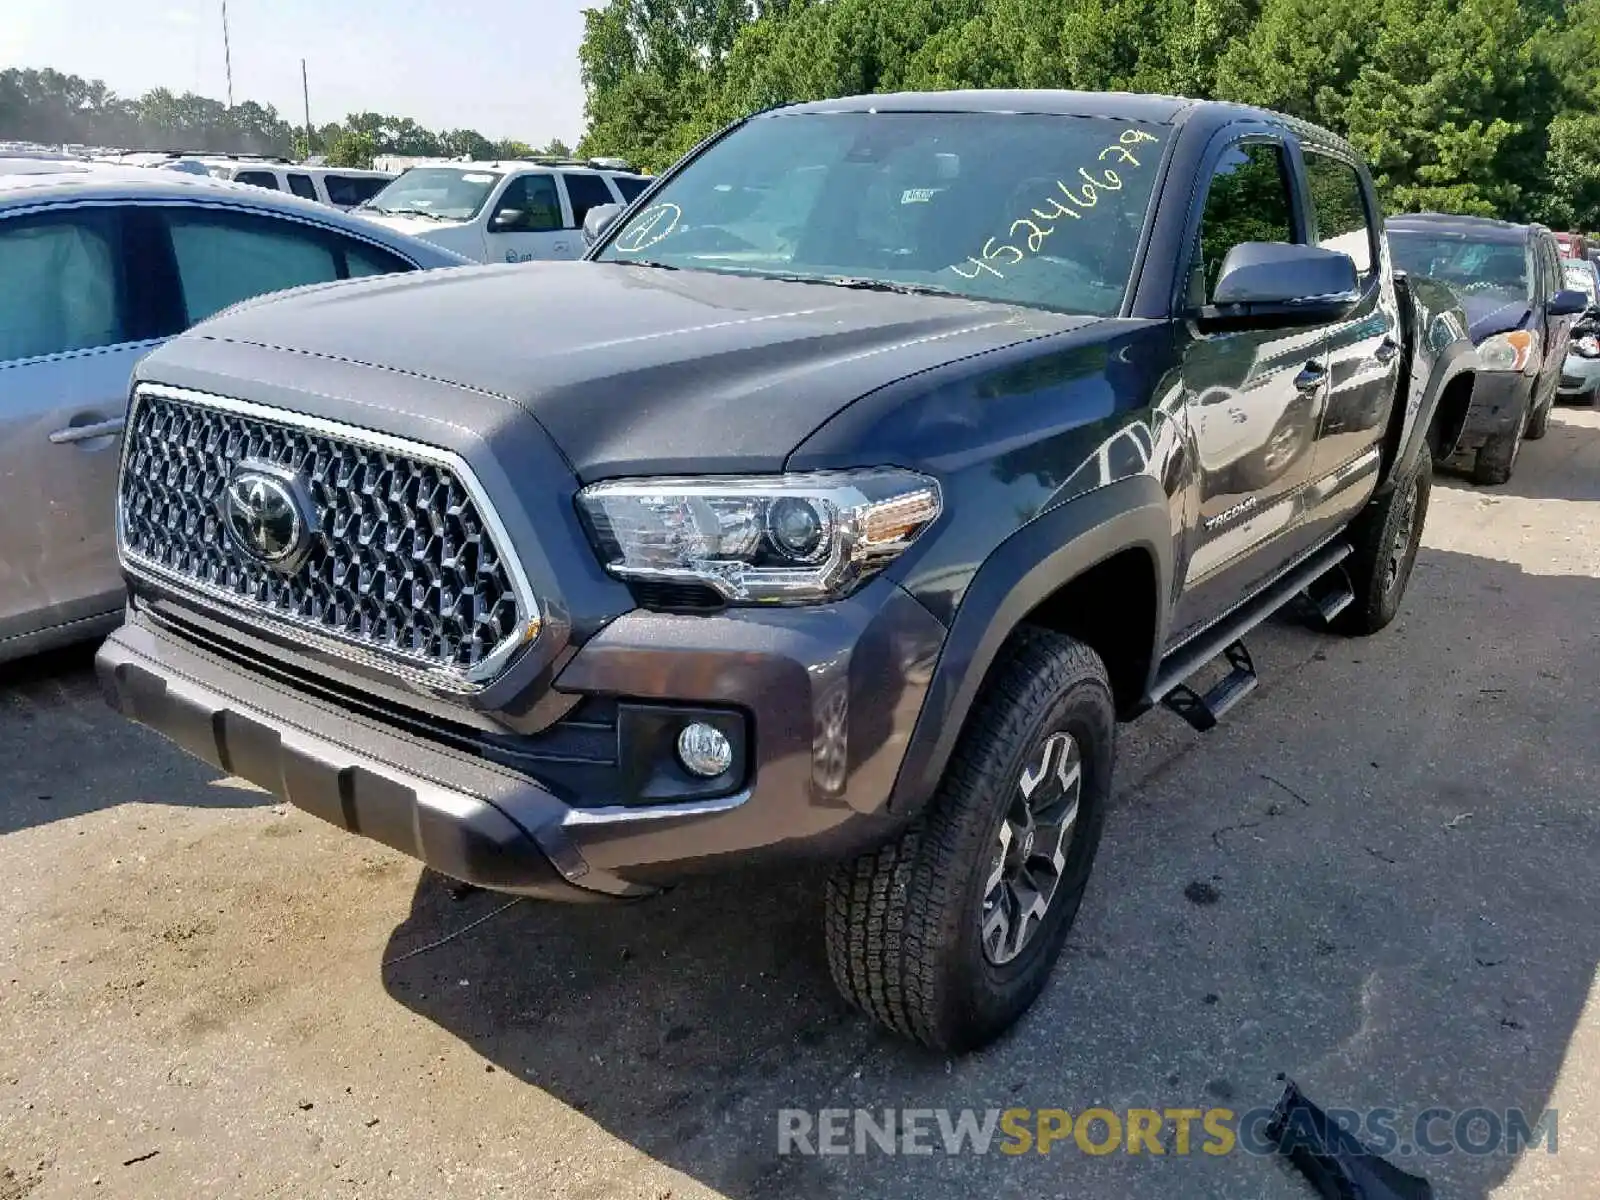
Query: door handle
[1310, 377]
[1386, 350]
[87, 433]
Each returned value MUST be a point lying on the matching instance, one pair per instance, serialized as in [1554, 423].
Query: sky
[507, 68]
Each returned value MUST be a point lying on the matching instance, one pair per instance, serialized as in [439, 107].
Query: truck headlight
[1514, 351]
[760, 539]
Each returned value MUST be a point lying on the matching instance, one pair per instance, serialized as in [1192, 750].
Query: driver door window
[1248, 201]
[529, 205]
[527, 223]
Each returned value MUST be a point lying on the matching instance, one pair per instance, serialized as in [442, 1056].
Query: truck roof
[1481, 228]
[1123, 106]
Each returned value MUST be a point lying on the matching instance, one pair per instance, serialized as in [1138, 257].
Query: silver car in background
[1580, 372]
[98, 265]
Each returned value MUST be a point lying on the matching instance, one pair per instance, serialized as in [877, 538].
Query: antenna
[305, 92]
[227, 53]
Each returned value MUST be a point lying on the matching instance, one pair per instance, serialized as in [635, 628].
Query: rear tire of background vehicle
[940, 935]
[1498, 458]
[1386, 536]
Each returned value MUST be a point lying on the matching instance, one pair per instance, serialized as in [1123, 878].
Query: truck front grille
[401, 559]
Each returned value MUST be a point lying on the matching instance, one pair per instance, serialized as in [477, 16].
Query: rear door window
[60, 284]
[347, 191]
[585, 192]
[302, 186]
[629, 186]
[1339, 209]
[262, 179]
[225, 257]
[362, 259]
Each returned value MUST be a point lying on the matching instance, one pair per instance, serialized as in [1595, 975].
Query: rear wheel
[1387, 536]
[948, 934]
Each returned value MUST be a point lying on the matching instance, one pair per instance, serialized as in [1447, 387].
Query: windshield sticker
[478, 178]
[919, 195]
[654, 224]
[1081, 194]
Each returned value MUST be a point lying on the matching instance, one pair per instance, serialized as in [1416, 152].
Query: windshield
[1474, 267]
[1580, 277]
[449, 193]
[1043, 211]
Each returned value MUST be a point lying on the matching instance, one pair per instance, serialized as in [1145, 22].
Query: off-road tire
[1386, 544]
[904, 924]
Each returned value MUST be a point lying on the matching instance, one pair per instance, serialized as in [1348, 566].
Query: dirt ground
[1378, 877]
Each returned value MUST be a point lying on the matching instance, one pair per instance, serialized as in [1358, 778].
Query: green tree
[352, 148]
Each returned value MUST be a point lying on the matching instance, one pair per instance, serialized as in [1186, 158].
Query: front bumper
[831, 695]
[1580, 376]
[1499, 400]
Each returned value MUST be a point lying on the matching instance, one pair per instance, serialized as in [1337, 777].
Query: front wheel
[1539, 422]
[1498, 458]
[948, 934]
[1387, 537]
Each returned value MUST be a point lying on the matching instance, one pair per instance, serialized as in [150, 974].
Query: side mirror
[599, 219]
[1275, 283]
[507, 220]
[1566, 303]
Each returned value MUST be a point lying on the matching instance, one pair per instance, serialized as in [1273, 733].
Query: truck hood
[634, 370]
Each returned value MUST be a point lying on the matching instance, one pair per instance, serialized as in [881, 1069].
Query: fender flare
[1457, 359]
[1041, 557]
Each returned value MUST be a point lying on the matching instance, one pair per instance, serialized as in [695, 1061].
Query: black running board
[1224, 638]
[1330, 595]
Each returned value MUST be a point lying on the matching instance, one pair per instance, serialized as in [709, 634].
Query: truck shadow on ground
[1378, 880]
[64, 754]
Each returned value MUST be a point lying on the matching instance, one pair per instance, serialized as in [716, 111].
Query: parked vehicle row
[877, 461]
[874, 465]
[510, 211]
[342, 187]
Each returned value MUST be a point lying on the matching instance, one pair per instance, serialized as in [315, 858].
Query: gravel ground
[1379, 877]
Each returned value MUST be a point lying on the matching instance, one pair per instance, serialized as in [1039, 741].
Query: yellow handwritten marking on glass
[1038, 225]
[654, 224]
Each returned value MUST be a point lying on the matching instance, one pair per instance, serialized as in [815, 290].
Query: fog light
[704, 750]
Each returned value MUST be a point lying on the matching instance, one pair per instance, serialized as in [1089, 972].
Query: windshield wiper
[641, 262]
[405, 212]
[868, 285]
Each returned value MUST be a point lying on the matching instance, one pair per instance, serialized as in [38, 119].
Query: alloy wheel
[1030, 856]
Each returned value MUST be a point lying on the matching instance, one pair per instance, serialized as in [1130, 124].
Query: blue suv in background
[1508, 278]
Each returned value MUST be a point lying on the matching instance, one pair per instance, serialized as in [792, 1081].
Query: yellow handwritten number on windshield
[1080, 193]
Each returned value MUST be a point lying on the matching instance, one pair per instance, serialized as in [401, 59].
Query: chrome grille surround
[409, 570]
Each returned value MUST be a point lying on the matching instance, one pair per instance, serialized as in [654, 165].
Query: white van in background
[342, 187]
[507, 211]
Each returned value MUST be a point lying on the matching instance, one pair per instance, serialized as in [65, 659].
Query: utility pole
[227, 54]
[305, 91]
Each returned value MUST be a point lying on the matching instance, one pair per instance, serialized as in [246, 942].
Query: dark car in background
[1521, 314]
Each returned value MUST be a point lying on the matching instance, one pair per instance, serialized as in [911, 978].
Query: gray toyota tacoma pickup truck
[875, 464]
